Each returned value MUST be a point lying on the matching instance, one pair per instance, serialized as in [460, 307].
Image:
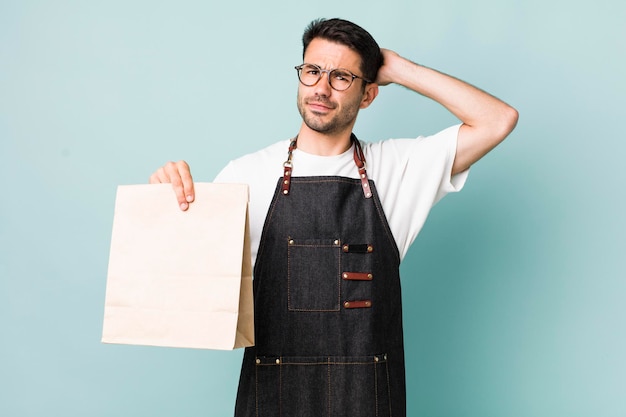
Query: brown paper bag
[180, 279]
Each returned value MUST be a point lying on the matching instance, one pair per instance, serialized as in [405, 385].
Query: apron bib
[328, 313]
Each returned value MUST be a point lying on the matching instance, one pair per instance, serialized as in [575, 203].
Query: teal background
[513, 293]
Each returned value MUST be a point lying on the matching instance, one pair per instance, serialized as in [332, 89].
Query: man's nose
[323, 85]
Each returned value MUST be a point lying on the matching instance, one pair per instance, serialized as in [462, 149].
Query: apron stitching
[288, 276]
[289, 306]
[329, 387]
[327, 362]
[376, 386]
[388, 387]
[339, 281]
[256, 388]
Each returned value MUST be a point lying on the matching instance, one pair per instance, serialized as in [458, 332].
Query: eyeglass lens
[339, 79]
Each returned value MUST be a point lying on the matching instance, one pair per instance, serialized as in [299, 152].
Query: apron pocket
[314, 274]
[322, 386]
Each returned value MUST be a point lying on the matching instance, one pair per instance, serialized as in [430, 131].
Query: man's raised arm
[486, 119]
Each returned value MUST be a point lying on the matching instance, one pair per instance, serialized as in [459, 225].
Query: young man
[328, 232]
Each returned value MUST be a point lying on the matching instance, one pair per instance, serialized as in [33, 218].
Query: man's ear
[371, 91]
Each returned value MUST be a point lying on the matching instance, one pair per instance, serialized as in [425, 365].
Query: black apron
[328, 312]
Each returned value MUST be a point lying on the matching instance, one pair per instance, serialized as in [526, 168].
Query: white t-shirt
[410, 175]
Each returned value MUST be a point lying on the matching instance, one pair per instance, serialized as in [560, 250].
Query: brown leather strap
[357, 276]
[357, 304]
[288, 166]
[359, 160]
[286, 178]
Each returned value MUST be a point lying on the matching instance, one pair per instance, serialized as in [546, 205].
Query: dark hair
[351, 35]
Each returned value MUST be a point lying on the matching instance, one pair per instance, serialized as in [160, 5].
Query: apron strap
[359, 160]
[287, 165]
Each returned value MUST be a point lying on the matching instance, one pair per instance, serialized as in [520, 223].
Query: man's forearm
[486, 119]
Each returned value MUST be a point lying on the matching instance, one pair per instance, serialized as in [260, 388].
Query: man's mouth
[318, 104]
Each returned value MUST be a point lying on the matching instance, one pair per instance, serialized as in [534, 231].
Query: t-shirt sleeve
[449, 183]
[411, 176]
[227, 174]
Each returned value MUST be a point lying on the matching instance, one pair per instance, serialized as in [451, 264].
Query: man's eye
[310, 70]
[341, 76]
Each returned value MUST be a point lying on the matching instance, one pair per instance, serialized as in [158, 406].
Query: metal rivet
[336, 241]
[365, 185]
[368, 303]
[370, 276]
[286, 182]
[369, 194]
[277, 361]
[370, 248]
[258, 361]
[291, 241]
[346, 304]
[285, 192]
[385, 356]
[346, 248]
[375, 358]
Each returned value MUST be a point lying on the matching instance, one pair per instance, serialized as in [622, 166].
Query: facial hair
[341, 120]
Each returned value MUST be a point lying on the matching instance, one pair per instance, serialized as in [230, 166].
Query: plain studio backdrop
[514, 291]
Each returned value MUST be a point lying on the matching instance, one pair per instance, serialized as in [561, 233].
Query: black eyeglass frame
[328, 71]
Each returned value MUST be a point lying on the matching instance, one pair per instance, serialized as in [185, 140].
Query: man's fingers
[175, 172]
[159, 177]
[179, 175]
[187, 181]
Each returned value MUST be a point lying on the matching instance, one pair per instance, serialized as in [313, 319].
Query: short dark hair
[351, 35]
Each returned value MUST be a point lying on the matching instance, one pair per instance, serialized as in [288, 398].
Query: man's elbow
[508, 120]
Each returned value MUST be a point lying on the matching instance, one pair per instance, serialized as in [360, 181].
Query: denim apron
[328, 313]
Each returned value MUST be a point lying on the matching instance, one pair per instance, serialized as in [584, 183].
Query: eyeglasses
[339, 79]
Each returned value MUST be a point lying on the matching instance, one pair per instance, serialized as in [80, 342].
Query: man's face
[322, 108]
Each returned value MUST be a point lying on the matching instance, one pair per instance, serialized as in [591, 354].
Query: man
[330, 225]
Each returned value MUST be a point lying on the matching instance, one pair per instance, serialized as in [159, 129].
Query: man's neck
[317, 143]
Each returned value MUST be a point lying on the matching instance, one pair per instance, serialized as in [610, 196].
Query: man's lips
[319, 105]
